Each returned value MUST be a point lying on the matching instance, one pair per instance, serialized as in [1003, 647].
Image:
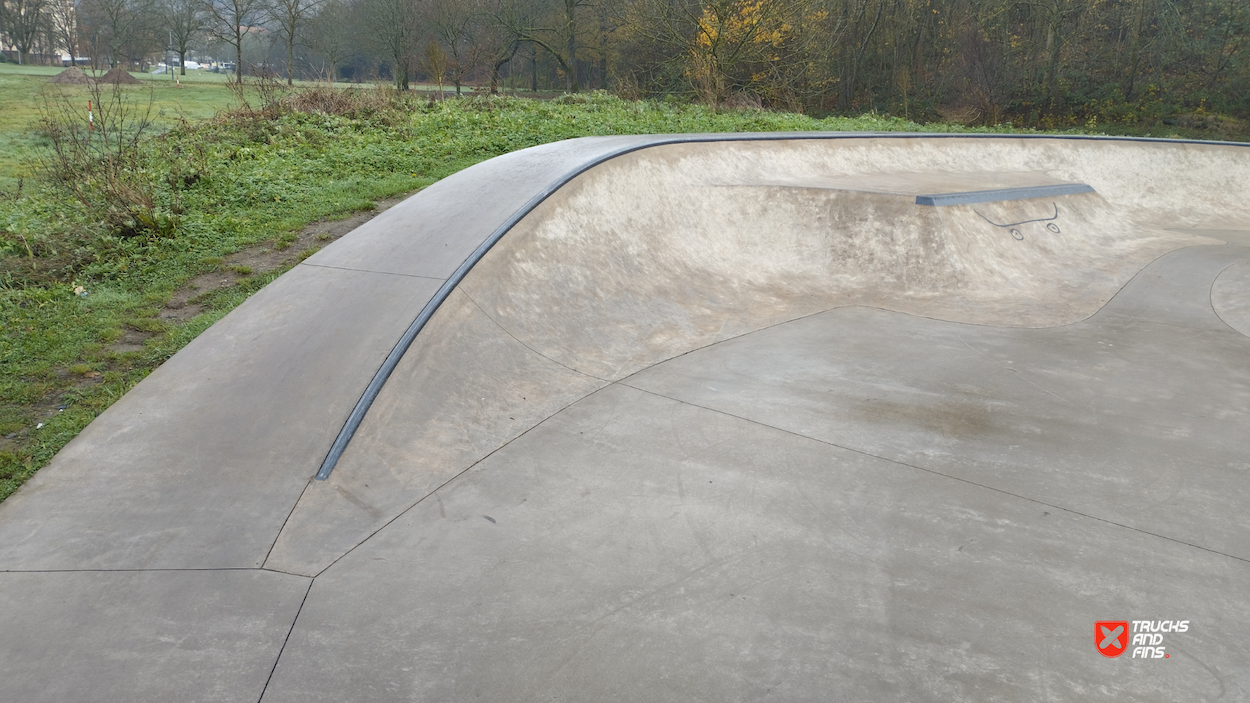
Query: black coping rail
[392, 360]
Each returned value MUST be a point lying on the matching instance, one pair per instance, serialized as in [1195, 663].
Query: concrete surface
[203, 635]
[640, 548]
[186, 469]
[719, 418]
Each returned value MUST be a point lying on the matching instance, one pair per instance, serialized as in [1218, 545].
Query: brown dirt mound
[71, 76]
[118, 75]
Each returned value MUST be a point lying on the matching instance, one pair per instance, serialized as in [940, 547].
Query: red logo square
[1111, 637]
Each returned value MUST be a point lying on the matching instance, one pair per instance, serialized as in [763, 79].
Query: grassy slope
[240, 182]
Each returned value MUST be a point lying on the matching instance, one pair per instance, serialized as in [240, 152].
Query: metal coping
[392, 360]
[991, 196]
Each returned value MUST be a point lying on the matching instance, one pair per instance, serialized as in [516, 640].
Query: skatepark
[687, 418]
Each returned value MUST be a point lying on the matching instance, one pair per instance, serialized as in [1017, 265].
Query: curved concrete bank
[709, 417]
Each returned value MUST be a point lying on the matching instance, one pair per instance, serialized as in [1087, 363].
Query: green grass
[16, 70]
[25, 90]
[228, 183]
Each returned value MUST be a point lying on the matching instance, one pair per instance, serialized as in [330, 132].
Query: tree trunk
[603, 45]
[401, 73]
[856, 56]
[494, 71]
[182, 61]
[238, 56]
[1050, 79]
[570, 79]
[290, 59]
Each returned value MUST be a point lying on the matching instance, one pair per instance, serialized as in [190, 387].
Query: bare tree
[24, 22]
[63, 19]
[289, 16]
[498, 42]
[452, 24]
[330, 34]
[569, 29]
[184, 20]
[231, 21]
[394, 28]
[121, 25]
[543, 23]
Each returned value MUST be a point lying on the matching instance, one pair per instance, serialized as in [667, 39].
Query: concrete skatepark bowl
[713, 418]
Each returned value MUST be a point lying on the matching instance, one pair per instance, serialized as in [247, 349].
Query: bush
[101, 164]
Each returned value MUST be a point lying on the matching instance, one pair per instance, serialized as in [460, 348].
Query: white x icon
[1109, 637]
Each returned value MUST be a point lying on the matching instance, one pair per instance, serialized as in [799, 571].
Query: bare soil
[71, 76]
[118, 75]
[256, 260]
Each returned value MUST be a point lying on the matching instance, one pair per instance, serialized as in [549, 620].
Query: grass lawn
[25, 90]
[210, 187]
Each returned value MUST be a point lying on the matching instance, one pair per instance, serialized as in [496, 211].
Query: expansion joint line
[466, 470]
[285, 520]
[286, 639]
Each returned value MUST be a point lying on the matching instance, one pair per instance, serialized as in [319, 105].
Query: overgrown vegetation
[99, 163]
[93, 249]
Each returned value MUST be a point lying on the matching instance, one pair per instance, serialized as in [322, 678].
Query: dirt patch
[118, 75]
[179, 310]
[131, 341]
[71, 76]
[262, 258]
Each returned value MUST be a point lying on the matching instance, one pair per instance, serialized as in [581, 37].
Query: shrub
[101, 163]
